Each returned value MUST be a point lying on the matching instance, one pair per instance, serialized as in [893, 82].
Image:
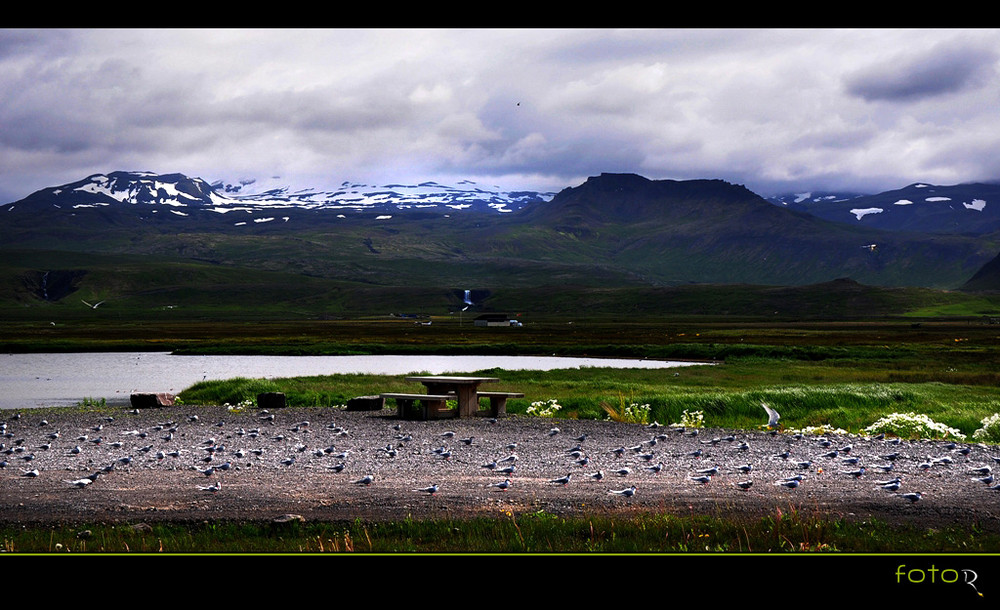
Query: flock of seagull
[208, 450]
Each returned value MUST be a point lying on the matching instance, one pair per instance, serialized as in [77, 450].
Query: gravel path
[293, 475]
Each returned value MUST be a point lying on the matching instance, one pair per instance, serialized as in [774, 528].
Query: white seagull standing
[562, 480]
[502, 485]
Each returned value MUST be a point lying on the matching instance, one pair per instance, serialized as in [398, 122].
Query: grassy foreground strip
[531, 533]
[840, 394]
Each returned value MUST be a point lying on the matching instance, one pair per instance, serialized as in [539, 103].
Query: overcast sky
[777, 110]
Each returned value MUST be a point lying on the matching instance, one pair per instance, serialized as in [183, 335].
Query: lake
[37, 380]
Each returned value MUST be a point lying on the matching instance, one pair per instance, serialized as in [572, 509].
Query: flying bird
[772, 416]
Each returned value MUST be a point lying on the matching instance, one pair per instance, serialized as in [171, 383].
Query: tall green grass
[730, 396]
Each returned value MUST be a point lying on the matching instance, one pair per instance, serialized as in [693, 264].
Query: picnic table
[442, 388]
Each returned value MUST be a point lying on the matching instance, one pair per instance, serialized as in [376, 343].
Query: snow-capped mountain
[963, 208]
[181, 195]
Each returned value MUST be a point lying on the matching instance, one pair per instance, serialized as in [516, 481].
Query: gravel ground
[261, 487]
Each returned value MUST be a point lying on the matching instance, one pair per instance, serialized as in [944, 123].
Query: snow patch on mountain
[862, 212]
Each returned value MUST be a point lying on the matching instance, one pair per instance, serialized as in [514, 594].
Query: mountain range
[962, 208]
[407, 243]
[146, 193]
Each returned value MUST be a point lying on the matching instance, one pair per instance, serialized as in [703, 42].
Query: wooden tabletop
[456, 380]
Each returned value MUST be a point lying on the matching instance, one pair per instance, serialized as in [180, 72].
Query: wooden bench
[431, 406]
[498, 401]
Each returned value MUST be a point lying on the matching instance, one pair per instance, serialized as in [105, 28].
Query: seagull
[490, 465]
[553, 432]
[655, 469]
[502, 485]
[562, 480]
[336, 468]
[81, 483]
[30, 473]
[429, 490]
[365, 480]
[623, 472]
[596, 475]
[214, 487]
[744, 485]
[628, 493]
[854, 473]
[912, 497]
[791, 484]
[704, 479]
[772, 416]
[508, 469]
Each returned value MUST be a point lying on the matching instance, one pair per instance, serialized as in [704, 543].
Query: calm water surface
[36, 380]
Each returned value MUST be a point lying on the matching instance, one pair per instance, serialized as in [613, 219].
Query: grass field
[839, 373]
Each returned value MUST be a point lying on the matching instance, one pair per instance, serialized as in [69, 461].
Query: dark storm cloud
[942, 69]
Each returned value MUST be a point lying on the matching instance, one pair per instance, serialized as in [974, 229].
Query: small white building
[496, 319]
